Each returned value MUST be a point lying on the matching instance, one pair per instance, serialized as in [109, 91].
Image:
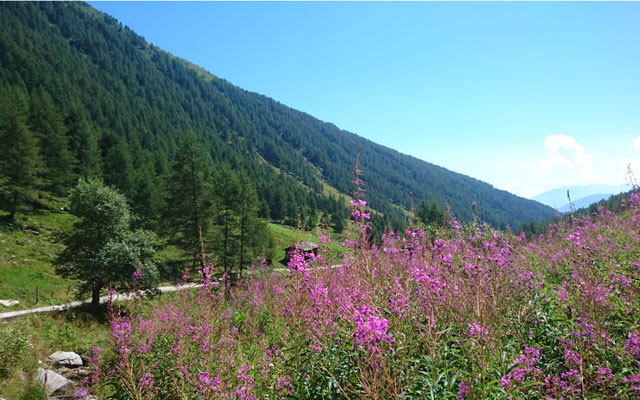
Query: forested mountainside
[102, 101]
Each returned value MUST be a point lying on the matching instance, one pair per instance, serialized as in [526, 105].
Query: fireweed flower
[476, 330]
[633, 345]
[145, 381]
[524, 368]
[297, 263]
[223, 347]
[463, 390]
[371, 330]
[605, 376]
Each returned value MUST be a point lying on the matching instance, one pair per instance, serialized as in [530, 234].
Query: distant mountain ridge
[140, 101]
[581, 195]
[584, 202]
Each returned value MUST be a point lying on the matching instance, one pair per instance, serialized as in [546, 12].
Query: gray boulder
[66, 358]
[55, 384]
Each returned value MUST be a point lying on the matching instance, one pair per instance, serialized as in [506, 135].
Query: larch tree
[19, 161]
[45, 121]
[189, 197]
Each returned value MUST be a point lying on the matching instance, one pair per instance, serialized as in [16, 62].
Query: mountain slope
[137, 97]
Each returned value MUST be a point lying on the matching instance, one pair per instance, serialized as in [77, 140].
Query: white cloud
[636, 143]
[522, 189]
[565, 151]
[555, 159]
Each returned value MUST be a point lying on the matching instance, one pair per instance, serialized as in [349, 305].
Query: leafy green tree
[101, 249]
[189, 201]
[19, 160]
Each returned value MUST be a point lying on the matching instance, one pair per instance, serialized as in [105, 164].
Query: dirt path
[6, 316]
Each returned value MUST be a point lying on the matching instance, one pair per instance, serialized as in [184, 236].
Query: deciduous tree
[101, 249]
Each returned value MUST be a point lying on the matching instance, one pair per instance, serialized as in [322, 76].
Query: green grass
[33, 338]
[26, 258]
[285, 236]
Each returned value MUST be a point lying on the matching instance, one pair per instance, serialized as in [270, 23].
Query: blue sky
[525, 96]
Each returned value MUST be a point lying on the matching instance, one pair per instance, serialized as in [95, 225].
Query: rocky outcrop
[64, 375]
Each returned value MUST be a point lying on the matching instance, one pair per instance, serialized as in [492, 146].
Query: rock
[9, 303]
[34, 228]
[66, 358]
[55, 384]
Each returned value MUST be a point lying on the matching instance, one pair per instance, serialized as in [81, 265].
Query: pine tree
[20, 159]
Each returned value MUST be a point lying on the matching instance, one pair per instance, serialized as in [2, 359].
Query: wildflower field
[465, 312]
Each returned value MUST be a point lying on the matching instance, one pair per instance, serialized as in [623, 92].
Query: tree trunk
[95, 299]
[225, 239]
[14, 206]
[242, 240]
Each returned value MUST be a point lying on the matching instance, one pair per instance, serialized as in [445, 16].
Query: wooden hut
[306, 248]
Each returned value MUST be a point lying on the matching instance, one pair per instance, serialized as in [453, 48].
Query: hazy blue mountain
[585, 202]
[558, 197]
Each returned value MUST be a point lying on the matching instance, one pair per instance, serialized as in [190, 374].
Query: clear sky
[525, 96]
